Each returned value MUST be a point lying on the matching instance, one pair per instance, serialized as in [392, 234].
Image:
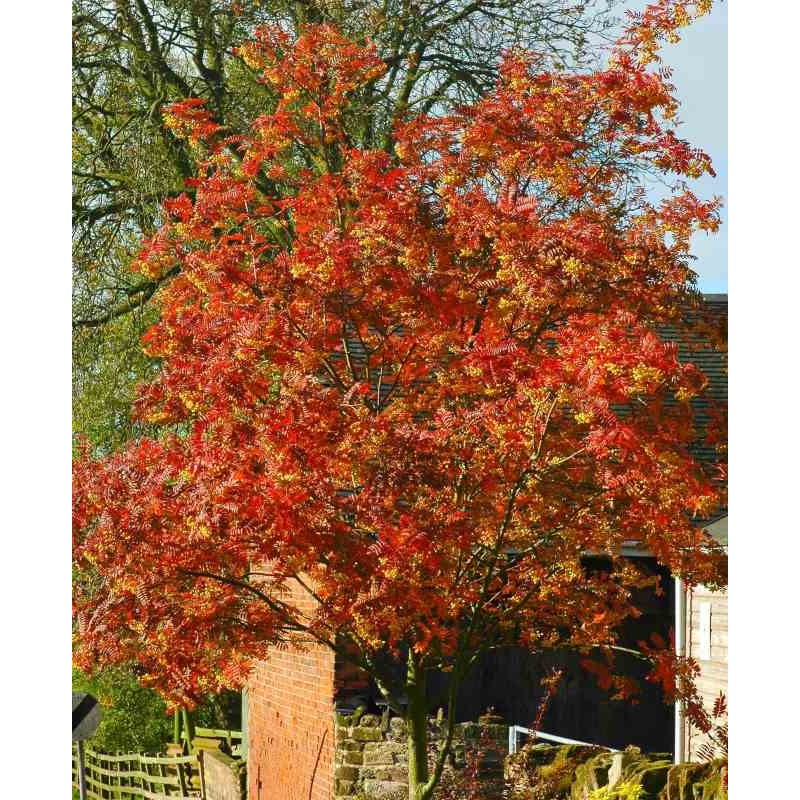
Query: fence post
[162, 768]
[81, 769]
[176, 726]
[182, 779]
[140, 769]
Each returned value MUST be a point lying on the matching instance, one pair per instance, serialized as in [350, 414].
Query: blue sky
[700, 74]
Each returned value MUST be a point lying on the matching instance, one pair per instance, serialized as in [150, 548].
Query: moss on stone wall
[371, 764]
[570, 772]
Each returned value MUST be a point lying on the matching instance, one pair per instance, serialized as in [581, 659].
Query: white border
[764, 443]
[35, 320]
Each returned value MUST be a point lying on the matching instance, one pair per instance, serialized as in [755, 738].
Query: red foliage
[423, 385]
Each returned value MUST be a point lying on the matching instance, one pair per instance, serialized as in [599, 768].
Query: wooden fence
[231, 738]
[132, 776]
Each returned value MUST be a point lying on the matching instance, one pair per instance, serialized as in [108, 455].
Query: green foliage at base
[135, 718]
[705, 781]
[626, 790]
[547, 773]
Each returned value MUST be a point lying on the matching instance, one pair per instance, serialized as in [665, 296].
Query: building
[706, 641]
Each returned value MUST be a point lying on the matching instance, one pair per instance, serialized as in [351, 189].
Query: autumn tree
[418, 384]
[131, 58]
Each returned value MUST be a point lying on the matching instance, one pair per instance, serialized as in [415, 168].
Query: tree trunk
[417, 725]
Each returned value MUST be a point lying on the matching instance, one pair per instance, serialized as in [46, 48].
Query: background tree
[133, 57]
[419, 388]
[136, 717]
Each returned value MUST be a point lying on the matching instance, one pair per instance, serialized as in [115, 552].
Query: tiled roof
[712, 361]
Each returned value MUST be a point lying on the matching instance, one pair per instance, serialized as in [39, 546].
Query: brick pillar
[291, 722]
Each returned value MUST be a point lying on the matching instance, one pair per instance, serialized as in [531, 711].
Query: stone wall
[223, 776]
[371, 756]
[577, 772]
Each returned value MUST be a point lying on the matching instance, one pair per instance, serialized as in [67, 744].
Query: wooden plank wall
[713, 677]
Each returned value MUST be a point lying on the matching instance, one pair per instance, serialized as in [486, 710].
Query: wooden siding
[713, 677]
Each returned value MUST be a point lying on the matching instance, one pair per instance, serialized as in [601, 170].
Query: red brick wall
[290, 724]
